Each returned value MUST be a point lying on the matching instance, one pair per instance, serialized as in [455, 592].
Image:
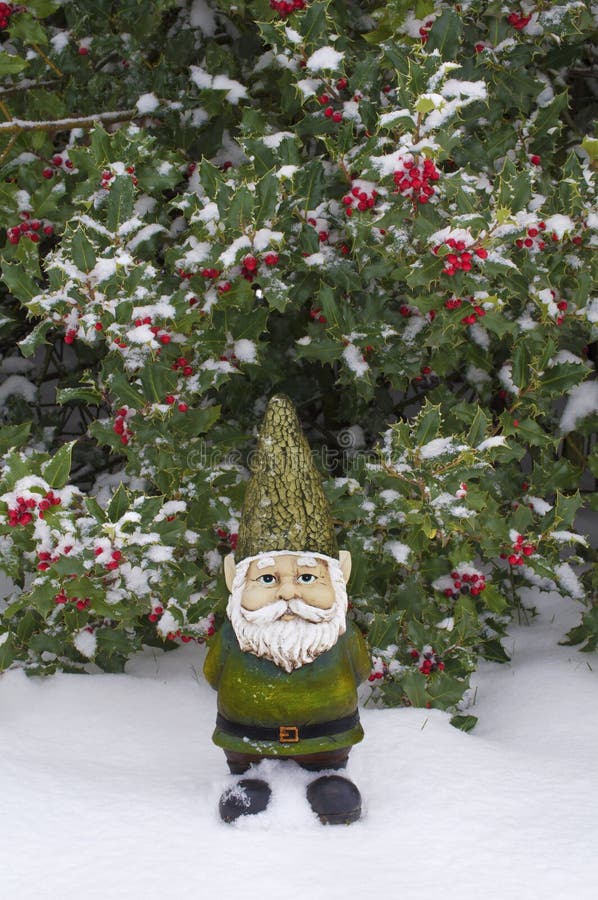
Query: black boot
[335, 800]
[245, 798]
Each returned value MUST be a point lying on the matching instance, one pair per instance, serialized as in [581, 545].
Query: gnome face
[287, 578]
[288, 607]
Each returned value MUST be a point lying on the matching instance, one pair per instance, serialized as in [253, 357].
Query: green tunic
[255, 691]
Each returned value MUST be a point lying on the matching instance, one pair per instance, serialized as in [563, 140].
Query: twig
[20, 125]
[47, 60]
[9, 147]
[27, 85]
[5, 110]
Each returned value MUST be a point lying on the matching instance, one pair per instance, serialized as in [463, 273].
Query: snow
[17, 386]
[245, 350]
[581, 402]
[105, 778]
[324, 58]
[147, 103]
[496, 441]
[202, 17]
[398, 550]
[354, 359]
[438, 447]
[234, 90]
[273, 141]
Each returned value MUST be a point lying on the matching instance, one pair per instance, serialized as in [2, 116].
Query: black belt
[288, 734]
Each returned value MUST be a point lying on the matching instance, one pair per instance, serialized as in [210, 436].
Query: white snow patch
[398, 550]
[324, 58]
[354, 359]
[439, 447]
[273, 141]
[245, 350]
[147, 103]
[569, 581]
[17, 386]
[86, 643]
[497, 441]
[235, 91]
[581, 402]
[202, 16]
[539, 505]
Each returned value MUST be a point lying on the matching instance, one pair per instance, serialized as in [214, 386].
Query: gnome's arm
[360, 657]
[214, 663]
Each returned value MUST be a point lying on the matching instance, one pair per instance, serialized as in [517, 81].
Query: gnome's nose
[287, 589]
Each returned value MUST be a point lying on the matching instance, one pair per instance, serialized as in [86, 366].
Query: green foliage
[358, 205]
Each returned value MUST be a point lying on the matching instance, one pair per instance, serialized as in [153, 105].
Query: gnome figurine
[287, 663]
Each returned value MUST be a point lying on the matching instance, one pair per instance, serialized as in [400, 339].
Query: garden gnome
[287, 663]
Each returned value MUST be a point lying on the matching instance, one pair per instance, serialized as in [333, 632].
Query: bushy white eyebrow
[265, 562]
[307, 561]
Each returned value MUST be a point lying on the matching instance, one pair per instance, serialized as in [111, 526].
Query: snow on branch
[19, 125]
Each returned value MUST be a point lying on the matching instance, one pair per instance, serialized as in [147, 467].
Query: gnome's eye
[266, 579]
[307, 578]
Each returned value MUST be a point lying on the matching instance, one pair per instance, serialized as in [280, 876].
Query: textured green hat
[285, 506]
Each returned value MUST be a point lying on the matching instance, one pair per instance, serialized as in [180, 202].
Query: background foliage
[384, 210]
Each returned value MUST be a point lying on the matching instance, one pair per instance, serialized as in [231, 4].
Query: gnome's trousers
[239, 763]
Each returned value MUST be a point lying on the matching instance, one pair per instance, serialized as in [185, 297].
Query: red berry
[182, 407]
[48, 173]
[535, 159]
[83, 51]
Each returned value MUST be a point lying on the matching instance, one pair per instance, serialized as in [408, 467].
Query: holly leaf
[56, 471]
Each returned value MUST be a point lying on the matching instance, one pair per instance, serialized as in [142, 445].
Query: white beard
[294, 642]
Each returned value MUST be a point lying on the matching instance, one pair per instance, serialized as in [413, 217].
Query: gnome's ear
[344, 558]
[229, 570]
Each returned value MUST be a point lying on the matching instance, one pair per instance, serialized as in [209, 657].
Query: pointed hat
[285, 506]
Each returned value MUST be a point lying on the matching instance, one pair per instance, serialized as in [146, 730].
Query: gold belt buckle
[288, 734]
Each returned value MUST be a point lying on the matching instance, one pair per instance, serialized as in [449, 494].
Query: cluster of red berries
[520, 548]
[316, 315]
[121, 426]
[80, 602]
[361, 198]
[330, 112]
[155, 613]
[424, 31]
[210, 273]
[6, 11]
[156, 330]
[477, 312]
[115, 558]
[413, 178]
[187, 638]
[107, 177]
[46, 559]
[380, 670]
[428, 661]
[535, 237]
[171, 400]
[518, 20]
[466, 583]
[29, 228]
[182, 365]
[230, 537]
[323, 234]
[284, 8]
[58, 162]
[461, 258]
[250, 264]
[22, 514]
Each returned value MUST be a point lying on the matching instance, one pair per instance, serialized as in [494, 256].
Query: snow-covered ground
[110, 783]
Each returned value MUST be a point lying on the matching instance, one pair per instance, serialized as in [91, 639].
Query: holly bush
[384, 210]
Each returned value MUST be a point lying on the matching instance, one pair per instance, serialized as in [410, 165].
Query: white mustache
[274, 611]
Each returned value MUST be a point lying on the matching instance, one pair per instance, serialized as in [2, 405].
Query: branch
[28, 85]
[20, 125]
